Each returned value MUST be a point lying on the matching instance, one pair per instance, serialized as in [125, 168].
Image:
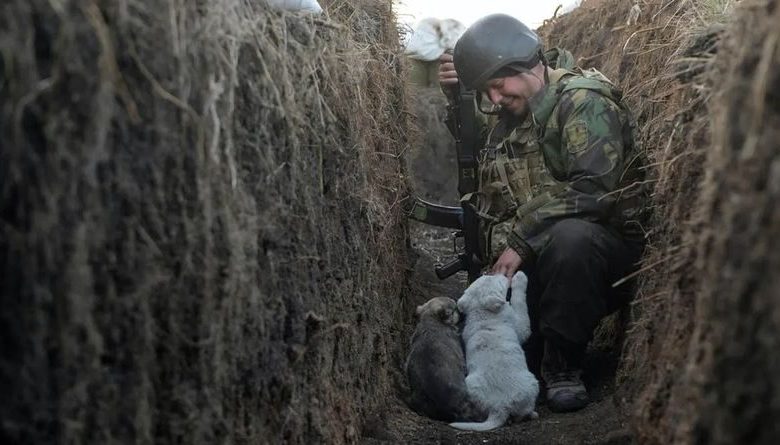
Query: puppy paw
[519, 282]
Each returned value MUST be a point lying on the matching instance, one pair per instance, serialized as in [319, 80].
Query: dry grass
[199, 221]
[662, 64]
[727, 387]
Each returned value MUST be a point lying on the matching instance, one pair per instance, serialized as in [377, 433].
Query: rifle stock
[436, 214]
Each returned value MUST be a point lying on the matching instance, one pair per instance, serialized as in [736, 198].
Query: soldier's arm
[591, 154]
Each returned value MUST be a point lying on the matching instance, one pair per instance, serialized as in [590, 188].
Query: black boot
[561, 372]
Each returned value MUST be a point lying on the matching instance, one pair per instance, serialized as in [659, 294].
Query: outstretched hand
[508, 263]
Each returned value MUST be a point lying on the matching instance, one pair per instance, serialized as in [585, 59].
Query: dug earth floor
[599, 423]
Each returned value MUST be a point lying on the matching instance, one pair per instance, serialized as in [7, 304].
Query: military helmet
[491, 45]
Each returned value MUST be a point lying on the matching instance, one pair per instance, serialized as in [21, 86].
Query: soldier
[562, 167]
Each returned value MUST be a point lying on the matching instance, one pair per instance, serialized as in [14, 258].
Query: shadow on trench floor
[599, 423]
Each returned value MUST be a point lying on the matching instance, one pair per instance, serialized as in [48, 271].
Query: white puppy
[498, 377]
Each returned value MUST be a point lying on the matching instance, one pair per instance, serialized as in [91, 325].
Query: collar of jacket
[543, 102]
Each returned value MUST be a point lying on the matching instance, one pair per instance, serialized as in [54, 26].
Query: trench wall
[200, 232]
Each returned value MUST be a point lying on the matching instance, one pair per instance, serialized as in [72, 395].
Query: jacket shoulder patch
[576, 136]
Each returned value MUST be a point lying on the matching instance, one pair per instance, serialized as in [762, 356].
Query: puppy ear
[494, 303]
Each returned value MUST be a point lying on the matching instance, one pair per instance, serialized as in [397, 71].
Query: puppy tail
[494, 420]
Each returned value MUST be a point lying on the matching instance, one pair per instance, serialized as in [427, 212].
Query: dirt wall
[662, 62]
[729, 387]
[699, 364]
[200, 235]
[432, 160]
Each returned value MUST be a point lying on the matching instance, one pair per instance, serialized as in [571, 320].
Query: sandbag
[432, 37]
[296, 5]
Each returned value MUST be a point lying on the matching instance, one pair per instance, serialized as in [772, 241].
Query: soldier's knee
[570, 239]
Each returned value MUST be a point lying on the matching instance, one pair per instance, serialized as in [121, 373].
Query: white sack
[431, 37]
[297, 5]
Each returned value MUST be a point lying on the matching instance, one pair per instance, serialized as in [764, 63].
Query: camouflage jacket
[581, 161]
[504, 182]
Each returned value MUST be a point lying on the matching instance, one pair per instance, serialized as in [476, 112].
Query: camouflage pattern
[573, 156]
[559, 58]
[512, 172]
[512, 168]
[591, 167]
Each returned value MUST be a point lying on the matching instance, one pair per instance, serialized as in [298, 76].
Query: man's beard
[519, 106]
[511, 116]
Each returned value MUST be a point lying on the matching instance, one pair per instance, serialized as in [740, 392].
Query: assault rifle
[461, 120]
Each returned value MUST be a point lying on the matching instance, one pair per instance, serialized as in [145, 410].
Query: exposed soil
[599, 423]
[198, 211]
[201, 239]
[432, 164]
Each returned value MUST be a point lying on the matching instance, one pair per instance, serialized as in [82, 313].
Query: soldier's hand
[508, 263]
[447, 74]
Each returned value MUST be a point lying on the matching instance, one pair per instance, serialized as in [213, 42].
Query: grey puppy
[436, 365]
